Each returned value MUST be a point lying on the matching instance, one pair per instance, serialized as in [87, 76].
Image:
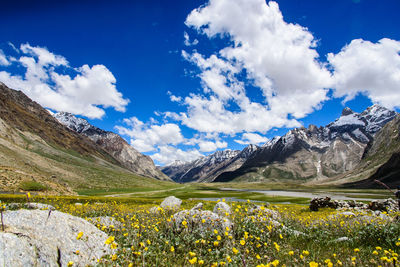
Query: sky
[185, 78]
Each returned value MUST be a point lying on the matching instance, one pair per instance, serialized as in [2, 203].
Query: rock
[13, 206]
[31, 205]
[105, 221]
[341, 239]
[222, 209]
[155, 210]
[77, 204]
[39, 206]
[388, 205]
[322, 202]
[199, 206]
[47, 240]
[16, 251]
[171, 203]
[199, 220]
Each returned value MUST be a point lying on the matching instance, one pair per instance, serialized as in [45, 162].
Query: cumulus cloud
[87, 92]
[264, 51]
[3, 59]
[251, 138]
[209, 146]
[207, 142]
[146, 137]
[168, 154]
[369, 68]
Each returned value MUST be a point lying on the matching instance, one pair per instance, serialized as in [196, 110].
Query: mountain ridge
[37, 152]
[304, 154]
[113, 144]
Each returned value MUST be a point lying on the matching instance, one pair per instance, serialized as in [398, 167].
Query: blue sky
[179, 79]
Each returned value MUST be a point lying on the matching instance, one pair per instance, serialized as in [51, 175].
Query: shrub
[32, 186]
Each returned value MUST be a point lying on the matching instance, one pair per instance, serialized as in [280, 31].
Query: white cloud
[187, 40]
[168, 154]
[3, 59]
[207, 142]
[146, 137]
[87, 93]
[369, 68]
[45, 58]
[251, 138]
[277, 57]
[174, 98]
[209, 146]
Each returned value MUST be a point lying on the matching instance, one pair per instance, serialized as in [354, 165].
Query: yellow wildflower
[193, 261]
[79, 236]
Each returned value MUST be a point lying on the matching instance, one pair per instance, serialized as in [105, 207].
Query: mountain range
[114, 144]
[313, 155]
[63, 154]
[37, 152]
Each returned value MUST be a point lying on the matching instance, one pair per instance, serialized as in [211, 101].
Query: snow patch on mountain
[351, 119]
[72, 122]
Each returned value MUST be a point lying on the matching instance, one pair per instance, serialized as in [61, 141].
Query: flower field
[264, 235]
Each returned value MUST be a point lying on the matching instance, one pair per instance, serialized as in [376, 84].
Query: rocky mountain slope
[39, 153]
[381, 160]
[113, 144]
[314, 153]
[206, 169]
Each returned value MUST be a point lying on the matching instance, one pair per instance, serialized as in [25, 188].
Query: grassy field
[274, 235]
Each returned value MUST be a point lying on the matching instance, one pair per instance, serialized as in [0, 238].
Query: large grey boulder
[33, 238]
[16, 251]
[263, 212]
[199, 220]
[222, 209]
[171, 203]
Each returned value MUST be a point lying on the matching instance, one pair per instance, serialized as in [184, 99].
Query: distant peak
[375, 108]
[176, 163]
[347, 111]
[312, 128]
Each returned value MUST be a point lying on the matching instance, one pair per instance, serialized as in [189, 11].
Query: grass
[273, 235]
[89, 174]
[32, 186]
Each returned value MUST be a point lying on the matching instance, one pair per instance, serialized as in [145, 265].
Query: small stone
[341, 239]
[171, 203]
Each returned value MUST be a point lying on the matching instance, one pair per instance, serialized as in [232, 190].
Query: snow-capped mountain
[113, 144]
[206, 169]
[318, 153]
